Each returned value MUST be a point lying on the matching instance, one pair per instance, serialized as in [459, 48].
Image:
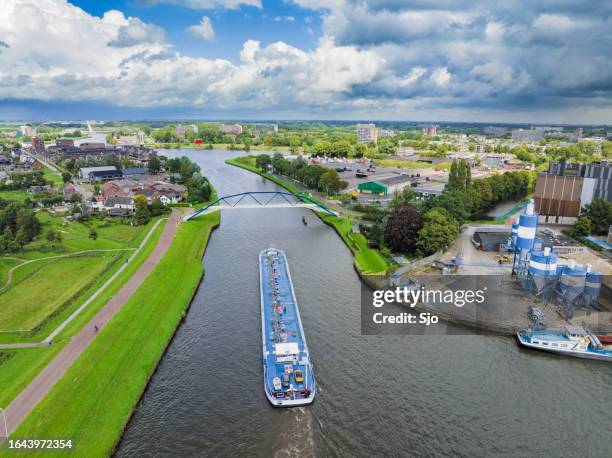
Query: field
[19, 367]
[92, 403]
[53, 281]
[25, 305]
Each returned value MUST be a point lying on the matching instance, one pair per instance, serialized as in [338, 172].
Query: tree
[582, 226]
[66, 177]
[154, 165]
[50, 236]
[460, 175]
[263, 161]
[599, 211]
[157, 207]
[322, 148]
[360, 150]
[331, 183]
[198, 188]
[438, 232]
[403, 197]
[141, 215]
[402, 229]
[75, 198]
[93, 234]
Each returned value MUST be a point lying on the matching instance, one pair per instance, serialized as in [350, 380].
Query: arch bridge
[262, 199]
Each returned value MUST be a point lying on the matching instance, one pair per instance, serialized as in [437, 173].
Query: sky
[516, 61]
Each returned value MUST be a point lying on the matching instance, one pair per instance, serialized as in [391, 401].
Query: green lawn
[53, 177]
[18, 196]
[92, 403]
[19, 367]
[5, 266]
[367, 260]
[111, 235]
[27, 304]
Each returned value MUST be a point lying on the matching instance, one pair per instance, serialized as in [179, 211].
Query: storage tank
[571, 283]
[514, 231]
[592, 286]
[543, 268]
[528, 226]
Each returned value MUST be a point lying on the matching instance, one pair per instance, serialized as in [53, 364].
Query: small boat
[304, 222]
[569, 340]
[288, 374]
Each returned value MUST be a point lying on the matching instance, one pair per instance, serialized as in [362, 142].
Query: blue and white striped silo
[543, 268]
[592, 286]
[528, 226]
[514, 231]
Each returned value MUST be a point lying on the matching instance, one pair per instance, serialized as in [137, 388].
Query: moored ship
[570, 341]
[288, 375]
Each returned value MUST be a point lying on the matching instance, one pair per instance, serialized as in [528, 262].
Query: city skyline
[306, 59]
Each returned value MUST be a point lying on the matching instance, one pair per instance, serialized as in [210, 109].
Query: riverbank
[86, 404]
[367, 261]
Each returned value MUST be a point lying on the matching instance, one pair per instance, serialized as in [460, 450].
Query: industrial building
[373, 187]
[559, 199]
[567, 187]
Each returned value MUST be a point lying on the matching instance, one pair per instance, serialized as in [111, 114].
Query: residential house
[125, 204]
[68, 191]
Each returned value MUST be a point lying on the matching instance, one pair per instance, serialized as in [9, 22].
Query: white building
[367, 133]
[28, 131]
[230, 128]
[386, 133]
[181, 130]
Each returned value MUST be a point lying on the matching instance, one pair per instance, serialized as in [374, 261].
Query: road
[23, 404]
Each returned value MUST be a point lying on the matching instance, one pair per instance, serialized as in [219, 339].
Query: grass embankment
[19, 367]
[92, 403]
[37, 296]
[367, 260]
[44, 293]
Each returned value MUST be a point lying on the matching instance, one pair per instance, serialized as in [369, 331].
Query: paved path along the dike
[23, 404]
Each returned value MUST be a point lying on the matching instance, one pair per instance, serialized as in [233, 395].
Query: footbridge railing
[262, 199]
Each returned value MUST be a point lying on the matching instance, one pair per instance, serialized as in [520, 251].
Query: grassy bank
[367, 260]
[93, 401]
[19, 367]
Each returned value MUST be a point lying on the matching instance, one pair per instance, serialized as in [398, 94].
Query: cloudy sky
[454, 60]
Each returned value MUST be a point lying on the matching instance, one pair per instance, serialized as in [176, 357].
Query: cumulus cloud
[203, 30]
[381, 58]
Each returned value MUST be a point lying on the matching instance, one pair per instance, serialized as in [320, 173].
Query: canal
[459, 394]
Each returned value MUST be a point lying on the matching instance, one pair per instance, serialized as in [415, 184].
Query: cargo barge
[288, 375]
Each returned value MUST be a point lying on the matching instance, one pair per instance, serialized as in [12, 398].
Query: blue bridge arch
[301, 200]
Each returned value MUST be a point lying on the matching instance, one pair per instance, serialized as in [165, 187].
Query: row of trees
[18, 226]
[312, 176]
